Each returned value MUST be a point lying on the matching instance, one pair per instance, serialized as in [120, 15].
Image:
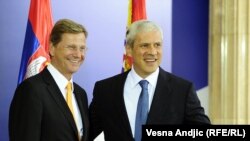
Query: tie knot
[69, 86]
[143, 84]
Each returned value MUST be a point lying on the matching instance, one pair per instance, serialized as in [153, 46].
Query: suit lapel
[160, 97]
[84, 113]
[120, 104]
[57, 96]
[80, 104]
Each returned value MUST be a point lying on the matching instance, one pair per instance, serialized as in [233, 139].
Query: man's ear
[128, 50]
[51, 49]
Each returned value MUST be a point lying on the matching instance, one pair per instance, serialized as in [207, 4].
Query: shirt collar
[152, 78]
[60, 79]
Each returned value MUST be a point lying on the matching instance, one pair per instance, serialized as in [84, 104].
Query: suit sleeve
[25, 114]
[95, 118]
[194, 112]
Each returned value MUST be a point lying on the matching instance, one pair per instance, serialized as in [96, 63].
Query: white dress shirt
[62, 82]
[132, 90]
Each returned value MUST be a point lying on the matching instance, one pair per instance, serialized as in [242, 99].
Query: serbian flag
[35, 54]
[136, 11]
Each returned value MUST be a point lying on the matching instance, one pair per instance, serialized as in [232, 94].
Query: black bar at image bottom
[195, 132]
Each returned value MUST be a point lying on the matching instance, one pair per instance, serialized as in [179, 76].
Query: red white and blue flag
[35, 54]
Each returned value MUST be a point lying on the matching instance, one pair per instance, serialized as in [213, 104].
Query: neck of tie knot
[144, 84]
[69, 87]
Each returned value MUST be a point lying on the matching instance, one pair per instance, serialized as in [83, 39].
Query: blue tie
[142, 110]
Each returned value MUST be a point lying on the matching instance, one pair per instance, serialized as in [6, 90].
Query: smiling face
[146, 52]
[68, 55]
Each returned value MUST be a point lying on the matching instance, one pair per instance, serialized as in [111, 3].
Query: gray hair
[138, 27]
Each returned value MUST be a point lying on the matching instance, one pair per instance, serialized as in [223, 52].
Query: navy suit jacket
[39, 112]
[175, 102]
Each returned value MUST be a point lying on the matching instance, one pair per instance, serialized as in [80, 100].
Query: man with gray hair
[146, 94]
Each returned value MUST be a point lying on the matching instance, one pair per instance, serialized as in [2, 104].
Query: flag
[35, 54]
[136, 11]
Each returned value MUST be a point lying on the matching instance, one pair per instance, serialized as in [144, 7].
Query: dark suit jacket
[174, 102]
[39, 112]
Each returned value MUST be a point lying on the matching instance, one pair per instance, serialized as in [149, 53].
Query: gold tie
[69, 98]
[69, 102]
